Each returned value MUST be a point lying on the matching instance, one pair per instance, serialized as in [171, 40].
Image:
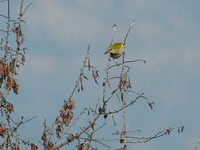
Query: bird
[115, 50]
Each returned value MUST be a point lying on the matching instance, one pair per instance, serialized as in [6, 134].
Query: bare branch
[125, 62]
[23, 11]
[161, 133]
[128, 31]
[114, 28]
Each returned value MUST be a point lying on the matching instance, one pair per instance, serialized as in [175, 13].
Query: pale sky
[166, 34]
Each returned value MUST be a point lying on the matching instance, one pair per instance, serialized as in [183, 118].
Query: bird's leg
[109, 58]
[123, 57]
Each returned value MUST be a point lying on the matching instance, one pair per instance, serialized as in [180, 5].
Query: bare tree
[117, 86]
[66, 128]
[11, 58]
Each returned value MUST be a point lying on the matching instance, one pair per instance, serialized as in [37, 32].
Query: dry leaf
[15, 147]
[10, 107]
[34, 147]
[58, 131]
[121, 140]
[15, 87]
[2, 66]
[2, 131]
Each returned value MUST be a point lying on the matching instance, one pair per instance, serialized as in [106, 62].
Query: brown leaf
[122, 82]
[9, 107]
[121, 140]
[58, 121]
[58, 131]
[44, 137]
[15, 146]
[34, 147]
[19, 35]
[73, 104]
[2, 131]
[49, 146]
[9, 83]
[15, 87]
[7, 49]
[81, 146]
[69, 105]
[2, 67]
[66, 119]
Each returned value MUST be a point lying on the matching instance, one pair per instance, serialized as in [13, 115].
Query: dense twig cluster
[11, 57]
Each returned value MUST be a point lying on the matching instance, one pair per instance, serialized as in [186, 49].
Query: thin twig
[129, 29]
[26, 8]
[125, 62]
[114, 28]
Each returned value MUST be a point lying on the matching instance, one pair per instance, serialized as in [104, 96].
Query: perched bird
[115, 50]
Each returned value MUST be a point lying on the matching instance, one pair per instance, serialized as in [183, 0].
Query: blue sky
[166, 34]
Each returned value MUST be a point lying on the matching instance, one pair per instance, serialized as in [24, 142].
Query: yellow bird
[115, 50]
